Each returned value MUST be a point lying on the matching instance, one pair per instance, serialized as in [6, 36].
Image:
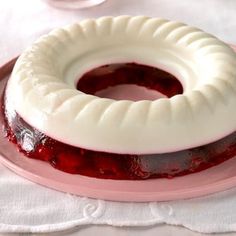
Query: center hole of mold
[129, 81]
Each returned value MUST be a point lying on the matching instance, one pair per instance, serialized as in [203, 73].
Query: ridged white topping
[42, 86]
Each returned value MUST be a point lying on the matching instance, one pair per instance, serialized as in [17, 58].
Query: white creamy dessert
[42, 88]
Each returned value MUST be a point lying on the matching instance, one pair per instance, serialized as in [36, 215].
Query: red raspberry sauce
[36, 145]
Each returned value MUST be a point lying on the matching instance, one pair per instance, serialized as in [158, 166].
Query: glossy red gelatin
[130, 73]
[35, 144]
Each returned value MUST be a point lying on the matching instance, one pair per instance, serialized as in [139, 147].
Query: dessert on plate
[124, 98]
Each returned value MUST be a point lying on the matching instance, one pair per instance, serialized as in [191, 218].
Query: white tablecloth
[22, 21]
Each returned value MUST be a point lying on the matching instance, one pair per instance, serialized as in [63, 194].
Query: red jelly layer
[37, 145]
[75, 160]
[130, 73]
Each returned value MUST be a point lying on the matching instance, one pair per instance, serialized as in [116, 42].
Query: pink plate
[212, 180]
